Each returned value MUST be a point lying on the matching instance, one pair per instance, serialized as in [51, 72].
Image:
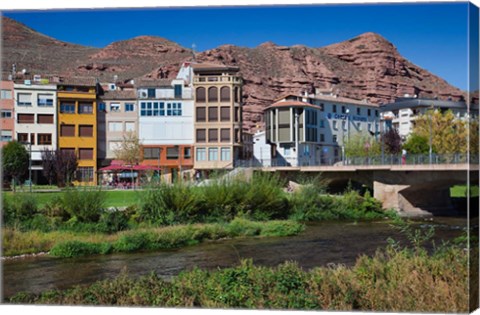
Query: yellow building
[77, 125]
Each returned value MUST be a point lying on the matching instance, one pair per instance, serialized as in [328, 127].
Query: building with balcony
[77, 125]
[312, 129]
[165, 123]
[217, 116]
[402, 113]
[35, 121]
[117, 115]
[7, 107]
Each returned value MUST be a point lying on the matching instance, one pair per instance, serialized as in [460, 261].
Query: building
[312, 129]
[7, 105]
[35, 121]
[117, 115]
[77, 125]
[166, 123]
[217, 116]
[402, 113]
[262, 150]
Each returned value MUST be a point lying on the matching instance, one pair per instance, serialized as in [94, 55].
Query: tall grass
[392, 280]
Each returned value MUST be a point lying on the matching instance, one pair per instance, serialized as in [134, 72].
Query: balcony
[217, 79]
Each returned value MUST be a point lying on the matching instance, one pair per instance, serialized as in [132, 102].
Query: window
[175, 109]
[32, 138]
[102, 107]
[178, 90]
[45, 100]
[129, 107]
[225, 94]
[151, 153]
[85, 174]
[201, 135]
[212, 114]
[376, 113]
[146, 109]
[359, 111]
[85, 130]
[172, 153]
[26, 118]
[6, 94]
[85, 108]
[344, 110]
[22, 137]
[334, 108]
[225, 154]
[6, 135]
[322, 137]
[237, 94]
[201, 154]
[67, 130]
[225, 135]
[212, 135]
[114, 107]
[24, 99]
[237, 114]
[67, 107]
[115, 126]
[151, 93]
[200, 95]
[187, 153]
[322, 123]
[44, 138]
[212, 94]
[224, 113]
[334, 138]
[201, 117]
[6, 113]
[44, 119]
[213, 154]
[114, 145]
[369, 112]
[85, 154]
[129, 126]
[67, 151]
[322, 107]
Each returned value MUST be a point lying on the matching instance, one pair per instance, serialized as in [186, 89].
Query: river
[320, 244]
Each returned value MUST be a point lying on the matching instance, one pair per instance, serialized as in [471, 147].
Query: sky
[431, 35]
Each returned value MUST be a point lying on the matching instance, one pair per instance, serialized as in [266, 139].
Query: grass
[72, 244]
[460, 191]
[393, 280]
[114, 198]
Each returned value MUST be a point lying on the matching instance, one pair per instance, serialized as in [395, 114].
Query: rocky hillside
[365, 67]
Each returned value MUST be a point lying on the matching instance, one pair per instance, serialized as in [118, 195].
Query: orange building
[77, 125]
[169, 159]
[7, 121]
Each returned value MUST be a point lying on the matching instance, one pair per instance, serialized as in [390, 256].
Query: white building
[262, 150]
[36, 120]
[312, 129]
[402, 113]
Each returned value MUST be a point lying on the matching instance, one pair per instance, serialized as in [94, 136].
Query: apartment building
[402, 113]
[7, 104]
[77, 125]
[35, 120]
[217, 116]
[312, 129]
[117, 115]
[166, 123]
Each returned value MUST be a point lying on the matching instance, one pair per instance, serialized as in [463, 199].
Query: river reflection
[320, 244]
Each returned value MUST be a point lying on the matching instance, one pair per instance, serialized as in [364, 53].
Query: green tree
[14, 162]
[129, 151]
[416, 144]
[449, 133]
[360, 145]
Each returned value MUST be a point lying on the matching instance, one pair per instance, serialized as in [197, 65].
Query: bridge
[413, 189]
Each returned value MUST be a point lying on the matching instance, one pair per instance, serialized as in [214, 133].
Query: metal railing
[386, 160]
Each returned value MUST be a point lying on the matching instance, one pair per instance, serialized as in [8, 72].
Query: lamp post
[430, 135]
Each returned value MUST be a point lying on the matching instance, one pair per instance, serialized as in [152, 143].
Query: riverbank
[73, 244]
[393, 280]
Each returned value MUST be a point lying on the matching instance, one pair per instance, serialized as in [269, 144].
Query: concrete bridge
[413, 190]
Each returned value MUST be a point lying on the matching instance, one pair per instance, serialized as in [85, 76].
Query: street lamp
[430, 134]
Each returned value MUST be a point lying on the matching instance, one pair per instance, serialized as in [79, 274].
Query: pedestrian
[404, 157]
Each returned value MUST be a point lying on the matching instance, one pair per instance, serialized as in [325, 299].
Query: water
[321, 244]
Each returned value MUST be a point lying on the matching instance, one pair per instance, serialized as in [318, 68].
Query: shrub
[77, 248]
[86, 205]
[18, 208]
[114, 221]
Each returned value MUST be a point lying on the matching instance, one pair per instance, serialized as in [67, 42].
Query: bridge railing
[387, 160]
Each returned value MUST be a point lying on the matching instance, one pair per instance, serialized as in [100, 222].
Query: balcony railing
[219, 79]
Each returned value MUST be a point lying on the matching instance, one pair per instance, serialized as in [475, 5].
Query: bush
[18, 208]
[86, 205]
[114, 221]
[77, 248]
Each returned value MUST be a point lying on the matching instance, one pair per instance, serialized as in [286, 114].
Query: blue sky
[432, 36]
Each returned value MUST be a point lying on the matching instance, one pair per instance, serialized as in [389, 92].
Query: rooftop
[281, 104]
[119, 95]
[402, 103]
[328, 98]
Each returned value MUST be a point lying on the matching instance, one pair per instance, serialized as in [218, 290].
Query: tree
[392, 141]
[15, 160]
[361, 146]
[49, 165]
[66, 164]
[416, 144]
[129, 151]
[449, 133]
